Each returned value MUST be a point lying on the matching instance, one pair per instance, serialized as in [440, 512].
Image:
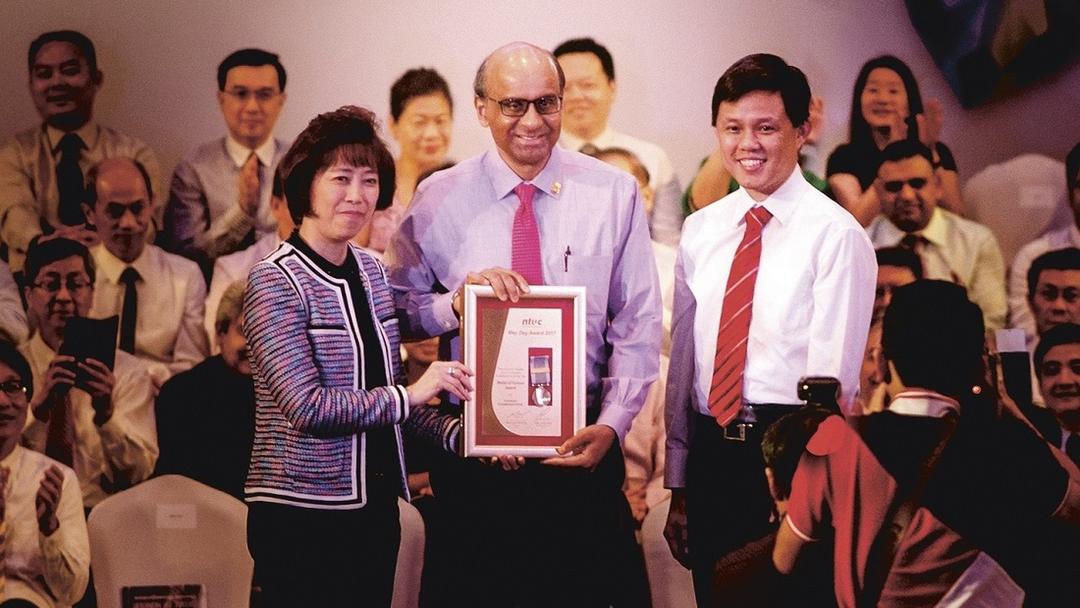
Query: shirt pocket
[594, 273]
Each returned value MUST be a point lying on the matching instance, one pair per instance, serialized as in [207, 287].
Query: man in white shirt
[97, 420]
[42, 168]
[951, 248]
[46, 553]
[162, 322]
[811, 293]
[1019, 313]
[219, 198]
[587, 99]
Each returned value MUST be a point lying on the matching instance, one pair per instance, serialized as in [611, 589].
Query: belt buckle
[736, 431]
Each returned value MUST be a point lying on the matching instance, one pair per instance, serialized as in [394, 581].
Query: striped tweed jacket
[312, 404]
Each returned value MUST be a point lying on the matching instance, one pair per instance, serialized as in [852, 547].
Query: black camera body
[820, 391]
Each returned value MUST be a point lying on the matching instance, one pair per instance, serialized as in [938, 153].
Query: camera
[820, 391]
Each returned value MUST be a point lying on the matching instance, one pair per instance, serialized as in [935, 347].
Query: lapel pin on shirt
[556, 187]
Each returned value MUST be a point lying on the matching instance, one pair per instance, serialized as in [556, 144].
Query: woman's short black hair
[348, 134]
[417, 82]
[859, 132]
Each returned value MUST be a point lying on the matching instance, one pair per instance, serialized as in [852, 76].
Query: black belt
[752, 421]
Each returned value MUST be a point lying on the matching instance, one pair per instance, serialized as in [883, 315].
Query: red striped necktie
[725, 394]
[525, 240]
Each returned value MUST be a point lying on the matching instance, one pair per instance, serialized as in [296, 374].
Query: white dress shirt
[120, 452]
[665, 223]
[227, 270]
[13, 324]
[812, 300]
[958, 250]
[169, 332]
[50, 571]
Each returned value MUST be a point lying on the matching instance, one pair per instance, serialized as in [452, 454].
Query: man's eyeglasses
[897, 185]
[73, 284]
[548, 104]
[115, 211]
[261, 95]
[14, 389]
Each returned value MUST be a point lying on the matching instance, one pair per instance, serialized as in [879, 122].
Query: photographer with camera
[88, 412]
[942, 496]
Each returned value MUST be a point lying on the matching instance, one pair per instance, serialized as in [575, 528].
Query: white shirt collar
[112, 266]
[918, 402]
[88, 133]
[239, 153]
[601, 141]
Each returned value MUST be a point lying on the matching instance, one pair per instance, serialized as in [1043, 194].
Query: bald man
[556, 531]
[158, 296]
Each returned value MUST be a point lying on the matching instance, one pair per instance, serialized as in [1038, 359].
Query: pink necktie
[725, 394]
[525, 241]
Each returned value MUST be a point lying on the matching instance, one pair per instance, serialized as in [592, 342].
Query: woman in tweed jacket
[326, 465]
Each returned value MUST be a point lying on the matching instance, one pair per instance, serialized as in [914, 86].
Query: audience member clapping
[234, 267]
[43, 543]
[886, 107]
[218, 202]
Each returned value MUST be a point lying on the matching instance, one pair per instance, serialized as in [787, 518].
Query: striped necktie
[725, 394]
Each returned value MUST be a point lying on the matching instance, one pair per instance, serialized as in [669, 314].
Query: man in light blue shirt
[563, 519]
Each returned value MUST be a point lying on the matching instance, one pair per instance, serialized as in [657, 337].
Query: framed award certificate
[529, 361]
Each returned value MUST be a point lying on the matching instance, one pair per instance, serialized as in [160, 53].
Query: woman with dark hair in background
[327, 464]
[421, 115]
[886, 107]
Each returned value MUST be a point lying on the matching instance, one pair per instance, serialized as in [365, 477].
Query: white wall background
[160, 58]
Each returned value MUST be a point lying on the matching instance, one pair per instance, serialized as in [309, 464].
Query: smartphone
[90, 339]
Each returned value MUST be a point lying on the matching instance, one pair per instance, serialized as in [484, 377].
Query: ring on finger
[452, 371]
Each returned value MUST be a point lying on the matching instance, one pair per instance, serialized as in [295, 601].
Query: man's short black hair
[784, 442]
[10, 356]
[933, 334]
[1072, 165]
[253, 58]
[1058, 259]
[900, 257]
[1066, 333]
[765, 72]
[44, 250]
[81, 42]
[416, 83]
[588, 45]
[90, 187]
[905, 149]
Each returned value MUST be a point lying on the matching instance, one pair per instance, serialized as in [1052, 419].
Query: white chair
[1019, 199]
[671, 585]
[410, 563]
[171, 531]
